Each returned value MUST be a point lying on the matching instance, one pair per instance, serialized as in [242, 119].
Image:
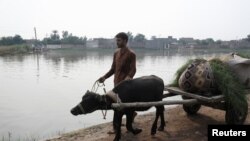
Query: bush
[15, 49]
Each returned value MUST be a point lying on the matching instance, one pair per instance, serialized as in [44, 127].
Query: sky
[200, 19]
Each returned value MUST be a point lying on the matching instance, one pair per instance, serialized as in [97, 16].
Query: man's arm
[112, 69]
[132, 69]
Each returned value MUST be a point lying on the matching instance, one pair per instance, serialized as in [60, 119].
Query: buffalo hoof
[161, 129]
[116, 138]
[137, 131]
[153, 132]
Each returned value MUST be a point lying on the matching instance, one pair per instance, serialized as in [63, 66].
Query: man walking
[123, 66]
[124, 61]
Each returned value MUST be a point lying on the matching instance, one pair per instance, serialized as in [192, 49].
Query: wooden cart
[192, 102]
[217, 102]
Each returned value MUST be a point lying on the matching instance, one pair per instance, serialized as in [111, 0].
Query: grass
[9, 136]
[226, 81]
[229, 85]
[14, 49]
[178, 73]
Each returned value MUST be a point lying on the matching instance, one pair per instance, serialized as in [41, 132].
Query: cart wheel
[235, 117]
[191, 109]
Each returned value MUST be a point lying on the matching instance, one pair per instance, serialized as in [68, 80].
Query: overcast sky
[218, 19]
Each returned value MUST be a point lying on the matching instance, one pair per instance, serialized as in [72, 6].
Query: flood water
[37, 91]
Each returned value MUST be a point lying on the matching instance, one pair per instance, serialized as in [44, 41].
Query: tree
[55, 35]
[248, 37]
[17, 39]
[218, 42]
[7, 41]
[204, 42]
[65, 34]
[182, 41]
[153, 37]
[54, 38]
[139, 38]
[68, 38]
[130, 36]
[198, 42]
[210, 40]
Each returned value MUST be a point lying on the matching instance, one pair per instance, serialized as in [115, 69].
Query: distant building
[160, 43]
[244, 44]
[187, 42]
[100, 43]
[92, 43]
[134, 44]
[72, 46]
[53, 46]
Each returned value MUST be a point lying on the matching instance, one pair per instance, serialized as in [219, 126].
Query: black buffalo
[143, 89]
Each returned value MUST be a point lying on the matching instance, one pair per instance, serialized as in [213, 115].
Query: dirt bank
[179, 127]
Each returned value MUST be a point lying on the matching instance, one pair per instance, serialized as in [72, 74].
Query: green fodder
[229, 85]
[175, 82]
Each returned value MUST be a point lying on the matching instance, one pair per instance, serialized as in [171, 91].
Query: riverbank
[179, 126]
[14, 49]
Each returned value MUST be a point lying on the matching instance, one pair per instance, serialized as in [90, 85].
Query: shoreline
[179, 126]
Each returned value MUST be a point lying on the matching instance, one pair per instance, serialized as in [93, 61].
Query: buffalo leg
[161, 110]
[115, 117]
[118, 123]
[154, 126]
[129, 121]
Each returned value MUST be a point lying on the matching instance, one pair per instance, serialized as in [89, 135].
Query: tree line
[17, 39]
[69, 38]
[54, 38]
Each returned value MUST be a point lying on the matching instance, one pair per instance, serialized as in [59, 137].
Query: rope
[95, 87]
[104, 113]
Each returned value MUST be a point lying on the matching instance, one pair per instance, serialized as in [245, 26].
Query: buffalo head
[90, 103]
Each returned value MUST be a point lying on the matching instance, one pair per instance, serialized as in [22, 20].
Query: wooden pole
[168, 95]
[149, 104]
[35, 33]
[178, 91]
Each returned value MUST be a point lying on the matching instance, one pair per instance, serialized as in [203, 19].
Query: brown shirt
[123, 65]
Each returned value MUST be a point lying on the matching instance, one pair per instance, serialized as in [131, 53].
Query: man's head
[121, 39]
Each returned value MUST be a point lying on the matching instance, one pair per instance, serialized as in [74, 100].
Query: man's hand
[128, 78]
[101, 80]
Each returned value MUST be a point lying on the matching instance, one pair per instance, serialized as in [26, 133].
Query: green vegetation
[17, 39]
[178, 73]
[229, 85]
[14, 49]
[248, 38]
[10, 136]
[13, 45]
[67, 38]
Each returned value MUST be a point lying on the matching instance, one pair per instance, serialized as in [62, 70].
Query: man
[123, 66]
